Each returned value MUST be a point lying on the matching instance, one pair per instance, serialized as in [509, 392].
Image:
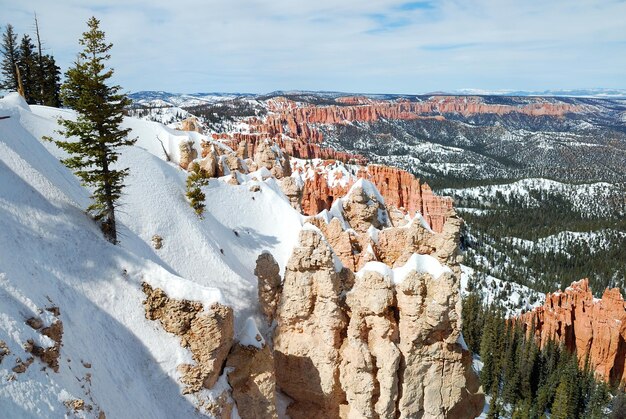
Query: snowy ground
[513, 297]
[52, 254]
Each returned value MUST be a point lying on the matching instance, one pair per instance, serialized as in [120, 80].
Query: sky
[368, 46]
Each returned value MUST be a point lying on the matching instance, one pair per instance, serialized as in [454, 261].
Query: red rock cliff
[590, 326]
[399, 188]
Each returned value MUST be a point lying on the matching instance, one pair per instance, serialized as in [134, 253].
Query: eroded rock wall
[364, 346]
[594, 327]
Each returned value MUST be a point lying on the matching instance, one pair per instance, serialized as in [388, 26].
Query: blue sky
[377, 46]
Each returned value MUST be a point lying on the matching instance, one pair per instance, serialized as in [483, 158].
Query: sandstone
[293, 191]
[400, 190]
[253, 382]
[187, 154]
[591, 327]
[233, 163]
[269, 284]
[242, 150]
[307, 338]
[276, 162]
[208, 335]
[385, 350]
[362, 211]
[191, 124]
[209, 163]
[370, 355]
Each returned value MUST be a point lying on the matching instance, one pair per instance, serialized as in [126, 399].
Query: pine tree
[10, 58]
[51, 82]
[99, 110]
[28, 70]
[195, 181]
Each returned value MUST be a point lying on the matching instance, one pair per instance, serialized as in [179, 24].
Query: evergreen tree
[561, 406]
[99, 110]
[598, 400]
[51, 82]
[195, 181]
[10, 58]
[618, 404]
[28, 70]
[473, 322]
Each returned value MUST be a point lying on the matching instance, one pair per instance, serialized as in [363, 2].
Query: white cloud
[373, 46]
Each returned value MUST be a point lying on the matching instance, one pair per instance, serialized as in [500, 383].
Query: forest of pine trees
[527, 382]
[26, 69]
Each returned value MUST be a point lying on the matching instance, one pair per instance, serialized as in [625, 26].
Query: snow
[250, 335]
[416, 263]
[516, 300]
[49, 241]
[461, 341]
[369, 188]
[421, 264]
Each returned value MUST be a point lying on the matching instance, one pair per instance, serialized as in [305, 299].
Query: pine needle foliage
[95, 136]
[195, 181]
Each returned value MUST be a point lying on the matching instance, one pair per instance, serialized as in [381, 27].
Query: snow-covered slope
[53, 255]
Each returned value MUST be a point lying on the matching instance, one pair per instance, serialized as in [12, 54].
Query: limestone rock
[308, 336]
[362, 211]
[209, 163]
[437, 380]
[269, 284]
[242, 150]
[253, 382]
[191, 124]
[370, 355]
[187, 154]
[292, 191]
[591, 327]
[209, 336]
[275, 161]
[231, 163]
[400, 190]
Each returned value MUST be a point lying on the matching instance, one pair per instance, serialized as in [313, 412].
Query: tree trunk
[108, 224]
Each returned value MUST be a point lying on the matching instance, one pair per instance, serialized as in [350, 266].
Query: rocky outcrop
[593, 327]
[308, 337]
[360, 346]
[267, 272]
[207, 334]
[49, 355]
[303, 149]
[436, 375]
[370, 356]
[300, 120]
[272, 159]
[251, 376]
[293, 192]
[187, 154]
[191, 124]
[400, 190]
[362, 210]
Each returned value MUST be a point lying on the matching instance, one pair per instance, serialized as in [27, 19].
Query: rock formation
[366, 346]
[191, 124]
[251, 376]
[594, 327]
[308, 337]
[208, 335]
[269, 284]
[400, 189]
[187, 154]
